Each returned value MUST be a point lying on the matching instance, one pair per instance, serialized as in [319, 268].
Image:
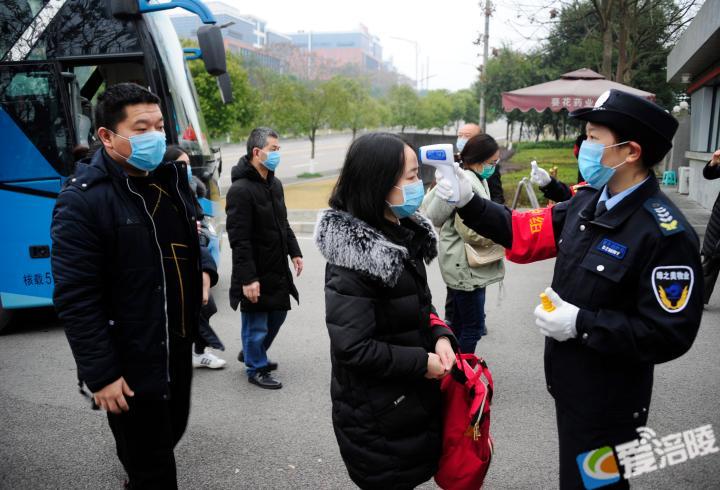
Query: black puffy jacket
[108, 272]
[261, 240]
[386, 415]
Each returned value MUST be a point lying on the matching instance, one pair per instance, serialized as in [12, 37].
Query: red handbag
[467, 444]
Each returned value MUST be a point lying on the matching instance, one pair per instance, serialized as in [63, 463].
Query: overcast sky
[445, 30]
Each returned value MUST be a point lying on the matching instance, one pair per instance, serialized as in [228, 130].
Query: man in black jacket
[130, 277]
[261, 241]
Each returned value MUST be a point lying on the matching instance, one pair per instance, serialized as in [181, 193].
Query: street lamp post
[417, 58]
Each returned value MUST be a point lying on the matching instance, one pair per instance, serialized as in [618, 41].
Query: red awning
[579, 88]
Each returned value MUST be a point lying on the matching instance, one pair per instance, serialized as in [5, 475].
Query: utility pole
[486, 42]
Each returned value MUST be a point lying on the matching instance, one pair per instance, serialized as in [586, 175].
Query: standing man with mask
[130, 278]
[261, 241]
[627, 289]
[494, 182]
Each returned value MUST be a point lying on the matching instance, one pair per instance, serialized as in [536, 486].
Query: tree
[435, 110]
[464, 107]
[223, 119]
[402, 102]
[361, 110]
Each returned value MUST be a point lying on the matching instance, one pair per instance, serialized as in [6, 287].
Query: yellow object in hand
[546, 303]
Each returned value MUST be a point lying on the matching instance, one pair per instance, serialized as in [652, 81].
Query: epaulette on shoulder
[581, 186]
[663, 214]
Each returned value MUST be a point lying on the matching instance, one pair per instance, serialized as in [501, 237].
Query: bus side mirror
[213, 49]
[225, 86]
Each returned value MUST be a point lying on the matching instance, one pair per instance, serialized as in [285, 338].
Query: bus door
[37, 139]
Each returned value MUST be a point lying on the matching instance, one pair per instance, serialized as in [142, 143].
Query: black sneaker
[264, 379]
[271, 366]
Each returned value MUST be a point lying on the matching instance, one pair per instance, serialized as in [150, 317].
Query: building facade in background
[307, 55]
[695, 62]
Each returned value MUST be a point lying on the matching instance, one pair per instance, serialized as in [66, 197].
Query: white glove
[539, 176]
[559, 323]
[444, 187]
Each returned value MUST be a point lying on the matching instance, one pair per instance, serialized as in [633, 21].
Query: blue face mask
[272, 161]
[460, 143]
[412, 199]
[590, 162]
[147, 150]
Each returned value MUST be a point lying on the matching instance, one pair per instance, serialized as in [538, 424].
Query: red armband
[533, 236]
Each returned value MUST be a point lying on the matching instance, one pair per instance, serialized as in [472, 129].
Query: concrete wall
[703, 191]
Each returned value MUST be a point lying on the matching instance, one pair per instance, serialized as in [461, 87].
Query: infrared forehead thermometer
[442, 158]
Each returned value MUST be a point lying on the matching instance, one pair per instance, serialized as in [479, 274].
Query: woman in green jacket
[468, 261]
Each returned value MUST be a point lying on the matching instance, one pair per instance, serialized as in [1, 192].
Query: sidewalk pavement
[697, 215]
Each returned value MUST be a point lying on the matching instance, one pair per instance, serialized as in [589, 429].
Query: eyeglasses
[492, 163]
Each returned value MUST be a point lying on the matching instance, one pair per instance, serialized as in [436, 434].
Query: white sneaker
[207, 359]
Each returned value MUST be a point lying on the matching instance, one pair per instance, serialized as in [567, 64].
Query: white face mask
[460, 143]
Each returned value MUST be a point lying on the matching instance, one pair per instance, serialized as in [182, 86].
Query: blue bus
[56, 56]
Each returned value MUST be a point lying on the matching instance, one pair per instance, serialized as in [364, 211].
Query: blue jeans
[258, 332]
[468, 318]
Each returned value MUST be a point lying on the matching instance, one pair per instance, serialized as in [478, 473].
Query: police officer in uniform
[627, 286]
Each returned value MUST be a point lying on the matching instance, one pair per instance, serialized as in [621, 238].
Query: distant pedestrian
[494, 181]
[261, 241]
[466, 282]
[388, 347]
[711, 243]
[130, 278]
[206, 337]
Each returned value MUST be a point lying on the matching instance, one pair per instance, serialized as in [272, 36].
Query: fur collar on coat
[348, 242]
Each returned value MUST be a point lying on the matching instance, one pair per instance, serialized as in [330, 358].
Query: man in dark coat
[711, 243]
[261, 241]
[130, 278]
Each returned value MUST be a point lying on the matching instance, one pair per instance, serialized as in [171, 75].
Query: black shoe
[264, 379]
[271, 366]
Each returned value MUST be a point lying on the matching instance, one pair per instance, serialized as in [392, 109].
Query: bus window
[82, 28]
[30, 95]
[15, 17]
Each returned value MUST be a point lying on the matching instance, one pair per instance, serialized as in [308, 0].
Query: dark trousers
[468, 320]
[146, 435]
[206, 336]
[578, 434]
[711, 268]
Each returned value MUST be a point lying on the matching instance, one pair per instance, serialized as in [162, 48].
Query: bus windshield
[189, 124]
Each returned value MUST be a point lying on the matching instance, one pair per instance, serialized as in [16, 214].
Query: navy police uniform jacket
[634, 272]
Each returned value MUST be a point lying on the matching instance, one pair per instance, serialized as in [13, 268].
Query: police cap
[635, 119]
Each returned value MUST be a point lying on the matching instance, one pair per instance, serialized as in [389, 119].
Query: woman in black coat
[711, 243]
[388, 347]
